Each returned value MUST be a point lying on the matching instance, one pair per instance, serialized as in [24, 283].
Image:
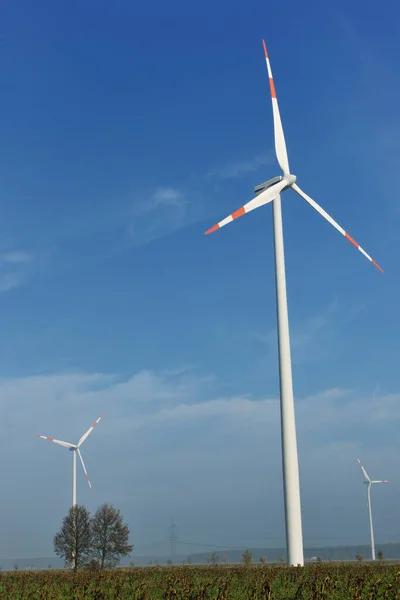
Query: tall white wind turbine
[265, 193]
[368, 482]
[75, 449]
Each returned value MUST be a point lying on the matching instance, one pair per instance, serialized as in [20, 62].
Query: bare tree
[110, 536]
[73, 542]
[213, 558]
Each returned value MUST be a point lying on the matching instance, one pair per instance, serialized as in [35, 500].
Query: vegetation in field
[356, 581]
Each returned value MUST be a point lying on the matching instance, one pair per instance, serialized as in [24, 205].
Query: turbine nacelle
[267, 184]
[290, 179]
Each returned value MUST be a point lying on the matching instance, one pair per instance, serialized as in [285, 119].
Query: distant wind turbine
[368, 481]
[271, 191]
[75, 449]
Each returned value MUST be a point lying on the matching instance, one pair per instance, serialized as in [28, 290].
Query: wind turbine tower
[271, 191]
[368, 482]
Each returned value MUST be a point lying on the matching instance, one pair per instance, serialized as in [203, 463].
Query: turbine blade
[322, 212]
[65, 444]
[89, 431]
[266, 196]
[280, 144]
[380, 481]
[84, 468]
[363, 470]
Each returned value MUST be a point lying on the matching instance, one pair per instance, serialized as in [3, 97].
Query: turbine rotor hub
[290, 179]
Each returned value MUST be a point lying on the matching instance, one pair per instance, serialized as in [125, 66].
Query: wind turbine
[368, 481]
[265, 193]
[75, 449]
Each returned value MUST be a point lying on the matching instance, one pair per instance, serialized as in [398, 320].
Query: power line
[173, 540]
[172, 537]
[211, 545]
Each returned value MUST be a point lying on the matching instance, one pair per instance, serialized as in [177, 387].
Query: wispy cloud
[168, 209]
[369, 60]
[167, 437]
[9, 281]
[165, 211]
[14, 269]
[378, 134]
[16, 257]
[152, 398]
[241, 168]
[305, 338]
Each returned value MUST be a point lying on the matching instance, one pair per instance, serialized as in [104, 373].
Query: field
[313, 582]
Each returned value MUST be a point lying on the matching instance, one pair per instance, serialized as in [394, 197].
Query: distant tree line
[246, 558]
[96, 542]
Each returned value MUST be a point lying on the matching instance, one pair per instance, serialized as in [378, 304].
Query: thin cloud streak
[15, 269]
[304, 338]
[238, 169]
[168, 209]
[16, 257]
[156, 398]
[10, 281]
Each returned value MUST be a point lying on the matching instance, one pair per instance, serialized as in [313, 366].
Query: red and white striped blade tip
[336, 225]
[265, 49]
[97, 421]
[235, 215]
[356, 245]
[264, 198]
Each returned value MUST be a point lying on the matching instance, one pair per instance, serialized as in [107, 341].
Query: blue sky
[127, 131]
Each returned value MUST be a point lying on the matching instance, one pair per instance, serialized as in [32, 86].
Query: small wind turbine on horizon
[75, 449]
[270, 191]
[368, 481]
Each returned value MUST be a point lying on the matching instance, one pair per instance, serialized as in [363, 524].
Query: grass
[326, 581]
